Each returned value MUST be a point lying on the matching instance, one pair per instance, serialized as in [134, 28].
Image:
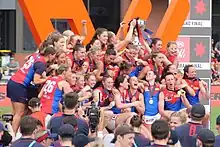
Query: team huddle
[123, 76]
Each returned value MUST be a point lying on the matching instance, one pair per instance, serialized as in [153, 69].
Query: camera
[7, 117]
[93, 113]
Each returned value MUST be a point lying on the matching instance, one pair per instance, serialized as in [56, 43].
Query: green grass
[4, 110]
[215, 111]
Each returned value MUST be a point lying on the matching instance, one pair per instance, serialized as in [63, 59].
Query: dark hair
[34, 102]
[154, 55]
[88, 46]
[99, 31]
[120, 79]
[125, 65]
[71, 100]
[78, 46]
[186, 70]
[27, 125]
[48, 51]
[165, 71]
[160, 130]
[45, 44]
[72, 120]
[87, 76]
[110, 50]
[196, 118]
[154, 41]
[167, 74]
[136, 121]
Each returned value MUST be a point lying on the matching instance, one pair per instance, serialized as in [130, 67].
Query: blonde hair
[181, 115]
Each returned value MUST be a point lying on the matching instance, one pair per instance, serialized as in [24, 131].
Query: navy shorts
[17, 92]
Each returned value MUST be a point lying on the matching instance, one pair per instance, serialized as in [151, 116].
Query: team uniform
[187, 132]
[130, 97]
[52, 95]
[22, 79]
[194, 84]
[172, 100]
[107, 97]
[151, 98]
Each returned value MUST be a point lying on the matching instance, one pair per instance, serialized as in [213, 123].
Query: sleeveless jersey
[172, 100]
[52, 95]
[25, 74]
[106, 98]
[158, 70]
[124, 99]
[115, 69]
[194, 84]
[151, 102]
[130, 97]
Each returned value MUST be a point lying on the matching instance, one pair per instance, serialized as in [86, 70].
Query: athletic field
[215, 110]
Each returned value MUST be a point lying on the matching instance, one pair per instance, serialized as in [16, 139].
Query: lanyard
[151, 90]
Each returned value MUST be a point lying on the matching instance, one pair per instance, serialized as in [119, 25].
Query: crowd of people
[120, 91]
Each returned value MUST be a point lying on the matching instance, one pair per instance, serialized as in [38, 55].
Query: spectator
[5, 137]
[217, 138]
[187, 131]
[13, 66]
[70, 102]
[66, 133]
[160, 133]
[45, 138]
[140, 139]
[205, 138]
[35, 106]
[28, 128]
[177, 119]
[124, 136]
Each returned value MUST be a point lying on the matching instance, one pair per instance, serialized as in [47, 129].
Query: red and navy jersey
[124, 99]
[114, 68]
[52, 95]
[25, 75]
[187, 132]
[194, 84]
[135, 96]
[77, 64]
[158, 70]
[106, 97]
[172, 100]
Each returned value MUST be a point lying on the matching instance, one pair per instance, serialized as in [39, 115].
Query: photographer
[70, 102]
[5, 137]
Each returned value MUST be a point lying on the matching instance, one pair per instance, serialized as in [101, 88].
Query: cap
[81, 140]
[2, 127]
[122, 130]
[173, 138]
[206, 136]
[218, 120]
[66, 130]
[198, 111]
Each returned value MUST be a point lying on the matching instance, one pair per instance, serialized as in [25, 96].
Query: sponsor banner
[198, 65]
[197, 23]
[194, 49]
[199, 15]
